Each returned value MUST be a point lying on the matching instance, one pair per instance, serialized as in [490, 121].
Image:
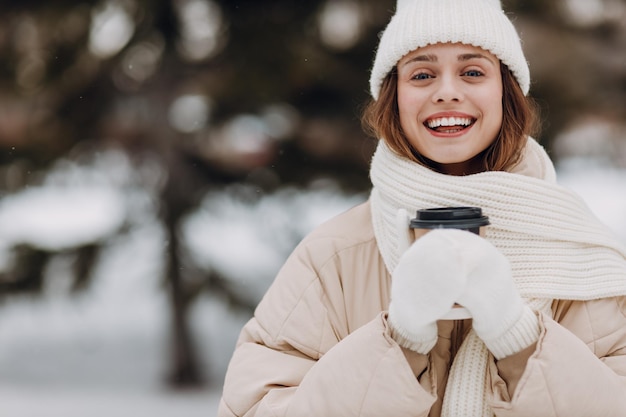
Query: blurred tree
[577, 55]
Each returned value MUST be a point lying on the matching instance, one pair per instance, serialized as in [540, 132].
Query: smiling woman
[358, 314]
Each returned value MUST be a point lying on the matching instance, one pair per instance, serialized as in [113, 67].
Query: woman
[354, 325]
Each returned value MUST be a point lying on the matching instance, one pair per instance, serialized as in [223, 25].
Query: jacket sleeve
[298, 357]
[578, 368]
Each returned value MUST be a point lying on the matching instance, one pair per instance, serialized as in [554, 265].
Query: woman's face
[450, 103]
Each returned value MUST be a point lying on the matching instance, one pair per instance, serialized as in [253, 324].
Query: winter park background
[160, 159]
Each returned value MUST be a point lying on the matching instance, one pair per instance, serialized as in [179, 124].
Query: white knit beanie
[418, 23]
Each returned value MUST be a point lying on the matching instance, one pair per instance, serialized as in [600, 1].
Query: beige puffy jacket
[319, 345]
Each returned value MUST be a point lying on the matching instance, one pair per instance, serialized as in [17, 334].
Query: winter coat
[319, 345]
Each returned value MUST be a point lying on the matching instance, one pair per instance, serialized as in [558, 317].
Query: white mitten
[500, 317]
[425, 285]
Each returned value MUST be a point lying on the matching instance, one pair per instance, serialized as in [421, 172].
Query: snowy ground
[80, 402]
[102, 353]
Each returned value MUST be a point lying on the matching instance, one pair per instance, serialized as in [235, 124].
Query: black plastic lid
[449, 218]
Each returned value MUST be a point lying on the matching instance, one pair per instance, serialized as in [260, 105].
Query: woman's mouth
[449, 124]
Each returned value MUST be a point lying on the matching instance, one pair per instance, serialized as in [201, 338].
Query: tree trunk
[184, 371]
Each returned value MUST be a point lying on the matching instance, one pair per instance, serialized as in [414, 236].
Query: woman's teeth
[456, 122]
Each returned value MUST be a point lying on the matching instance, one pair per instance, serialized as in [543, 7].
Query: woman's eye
[473, 73]
[422, 76]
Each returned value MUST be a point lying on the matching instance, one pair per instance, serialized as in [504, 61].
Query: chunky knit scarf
[556, 247]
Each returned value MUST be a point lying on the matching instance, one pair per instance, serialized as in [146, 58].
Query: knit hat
[418, 23]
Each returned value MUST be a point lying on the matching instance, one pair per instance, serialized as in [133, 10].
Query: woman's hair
[381, 118]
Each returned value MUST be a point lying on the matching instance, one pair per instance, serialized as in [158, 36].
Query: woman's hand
[427, 281]
[500, 317]
[448, 266]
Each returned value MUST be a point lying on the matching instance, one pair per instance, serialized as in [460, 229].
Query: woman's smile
[449, 124]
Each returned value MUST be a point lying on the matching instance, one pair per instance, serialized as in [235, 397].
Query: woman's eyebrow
[433, 58]
[422, 58]
[467, 57]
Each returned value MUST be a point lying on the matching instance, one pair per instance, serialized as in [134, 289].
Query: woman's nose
[448, 90]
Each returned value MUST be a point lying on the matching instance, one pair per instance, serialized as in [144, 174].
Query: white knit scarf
[556, 247]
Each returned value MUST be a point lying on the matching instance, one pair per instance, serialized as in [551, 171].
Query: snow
[42, 216]
[602, 187]
[55, 402]
[257, 234]
[104, 351]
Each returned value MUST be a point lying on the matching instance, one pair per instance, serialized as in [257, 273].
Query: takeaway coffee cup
[464, 218]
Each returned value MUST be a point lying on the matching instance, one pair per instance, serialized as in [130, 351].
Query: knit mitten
[426, 283]
[500, 316]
